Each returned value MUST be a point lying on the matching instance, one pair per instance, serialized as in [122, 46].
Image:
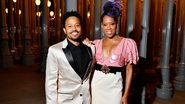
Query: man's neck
[76, 43]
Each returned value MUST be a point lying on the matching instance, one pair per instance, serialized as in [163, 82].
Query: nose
[74, 28]
[108, 27]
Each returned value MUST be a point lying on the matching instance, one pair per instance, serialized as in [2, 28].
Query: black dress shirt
[81, 57]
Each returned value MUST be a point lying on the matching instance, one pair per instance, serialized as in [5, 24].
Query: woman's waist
[108, 69]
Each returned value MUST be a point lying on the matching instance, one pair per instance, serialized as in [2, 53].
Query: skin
[111, 40]
[73, 29]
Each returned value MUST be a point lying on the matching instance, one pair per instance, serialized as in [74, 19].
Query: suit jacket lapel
[89, 65]
[68, 53]
[69, 57]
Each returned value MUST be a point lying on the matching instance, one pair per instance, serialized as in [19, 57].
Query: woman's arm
[129, 72]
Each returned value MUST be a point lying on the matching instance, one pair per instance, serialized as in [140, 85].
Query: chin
[110, 36]
[76, 39]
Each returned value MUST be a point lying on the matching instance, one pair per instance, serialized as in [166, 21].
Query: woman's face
[109, 26]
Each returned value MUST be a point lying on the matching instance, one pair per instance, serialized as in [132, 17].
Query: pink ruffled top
[125, 52]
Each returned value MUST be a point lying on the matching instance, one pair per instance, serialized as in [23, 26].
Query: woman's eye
[104, 24]
[113, 24]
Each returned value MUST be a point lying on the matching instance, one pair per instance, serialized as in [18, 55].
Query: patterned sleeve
[132, 52]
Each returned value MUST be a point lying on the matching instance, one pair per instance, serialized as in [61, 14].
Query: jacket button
[80, 94]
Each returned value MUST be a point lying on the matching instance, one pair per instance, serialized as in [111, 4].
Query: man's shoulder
[61, 44]
[56, 44]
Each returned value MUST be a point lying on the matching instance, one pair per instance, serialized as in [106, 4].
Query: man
[68, 65]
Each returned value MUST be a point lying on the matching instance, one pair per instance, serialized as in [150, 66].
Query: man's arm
[51, 78]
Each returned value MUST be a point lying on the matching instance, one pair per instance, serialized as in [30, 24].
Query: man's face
[72, 28]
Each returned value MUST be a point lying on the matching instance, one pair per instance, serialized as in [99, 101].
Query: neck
[115, 37]
[76, 43]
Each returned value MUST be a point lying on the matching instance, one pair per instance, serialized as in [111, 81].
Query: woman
[113, 52]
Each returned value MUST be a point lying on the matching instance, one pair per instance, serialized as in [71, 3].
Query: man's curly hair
[69, 14]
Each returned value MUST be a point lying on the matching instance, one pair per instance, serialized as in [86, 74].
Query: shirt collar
[72, 46]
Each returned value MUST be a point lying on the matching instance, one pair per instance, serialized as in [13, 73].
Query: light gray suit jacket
[62, 84]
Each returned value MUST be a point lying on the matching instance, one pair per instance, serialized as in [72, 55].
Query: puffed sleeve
[131, 51]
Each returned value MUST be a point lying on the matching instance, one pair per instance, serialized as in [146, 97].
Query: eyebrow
[70, 23]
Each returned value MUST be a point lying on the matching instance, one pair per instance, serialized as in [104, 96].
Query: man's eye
[77, 25]
[69, 26]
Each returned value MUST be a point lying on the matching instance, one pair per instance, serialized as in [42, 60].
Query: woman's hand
[124, 100]
[87, 42]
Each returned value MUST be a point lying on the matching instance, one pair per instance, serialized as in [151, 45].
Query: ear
[101, 25]
[64, 30]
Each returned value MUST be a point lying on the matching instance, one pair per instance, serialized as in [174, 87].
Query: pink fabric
[125, 52]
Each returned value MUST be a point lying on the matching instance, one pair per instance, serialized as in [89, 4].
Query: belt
[108, 69]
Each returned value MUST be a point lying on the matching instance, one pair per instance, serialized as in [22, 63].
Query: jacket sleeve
[51, 77]
[93, 49]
